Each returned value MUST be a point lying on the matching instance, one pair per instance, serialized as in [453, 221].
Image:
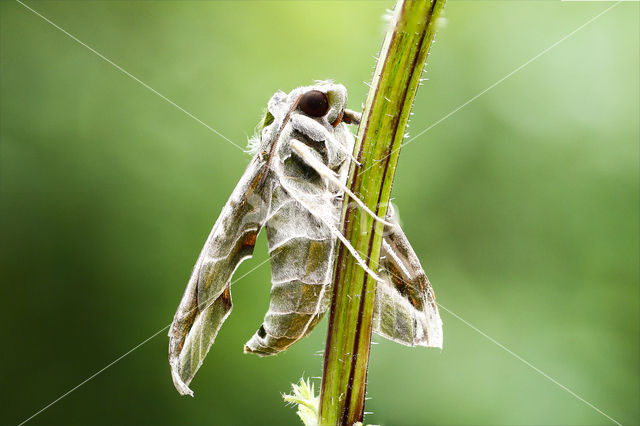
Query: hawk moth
[294, 187]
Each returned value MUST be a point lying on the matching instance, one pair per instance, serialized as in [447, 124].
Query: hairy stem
[395, 82]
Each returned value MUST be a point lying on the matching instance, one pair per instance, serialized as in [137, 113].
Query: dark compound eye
[314, 103]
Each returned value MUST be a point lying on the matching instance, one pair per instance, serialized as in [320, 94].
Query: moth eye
[314, 103]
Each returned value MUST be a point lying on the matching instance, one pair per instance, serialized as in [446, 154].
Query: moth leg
[352, 117]
[305, 153]
[405, 308]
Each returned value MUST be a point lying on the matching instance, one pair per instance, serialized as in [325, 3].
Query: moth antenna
[353, 251]
[354, 159]
[303, 151]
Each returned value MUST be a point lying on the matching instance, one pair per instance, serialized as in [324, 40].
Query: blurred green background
[523, 207]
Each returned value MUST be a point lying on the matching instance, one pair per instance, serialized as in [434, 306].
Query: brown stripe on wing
[405, 308]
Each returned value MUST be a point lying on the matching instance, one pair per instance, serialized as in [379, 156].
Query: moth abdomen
[296, 297]
[301, 252]
[264, 344]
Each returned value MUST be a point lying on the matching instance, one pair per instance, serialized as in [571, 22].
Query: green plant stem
[395, 82]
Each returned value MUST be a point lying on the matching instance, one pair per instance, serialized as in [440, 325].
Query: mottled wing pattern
[207, 299]
[301, 250]
[405, 304]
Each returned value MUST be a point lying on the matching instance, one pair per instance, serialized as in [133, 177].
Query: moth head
[324, 101]
[314, 112]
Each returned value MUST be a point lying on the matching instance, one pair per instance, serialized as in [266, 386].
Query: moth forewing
[207, 299]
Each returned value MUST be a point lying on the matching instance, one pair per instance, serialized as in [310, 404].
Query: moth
[294, 187]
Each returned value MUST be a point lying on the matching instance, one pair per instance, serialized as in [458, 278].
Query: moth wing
[405, 304]
[207, 299]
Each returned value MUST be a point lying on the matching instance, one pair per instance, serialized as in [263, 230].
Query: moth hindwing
[294, 187]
